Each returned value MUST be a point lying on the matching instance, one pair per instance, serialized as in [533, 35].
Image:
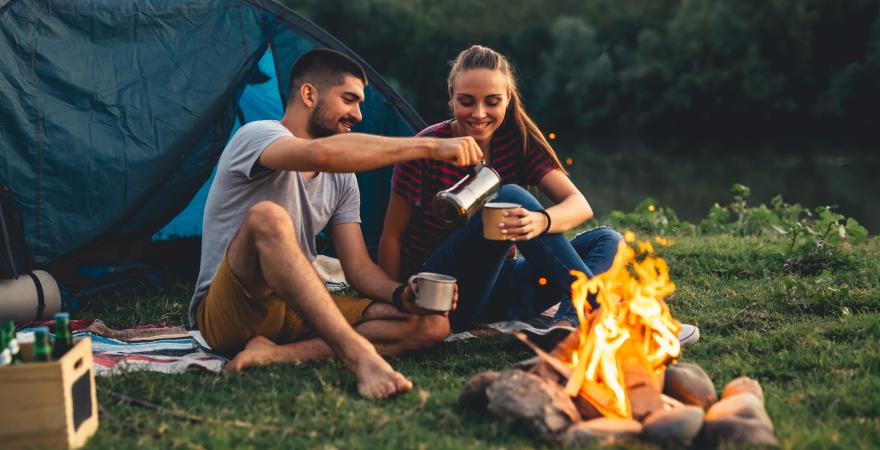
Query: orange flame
[630, 295]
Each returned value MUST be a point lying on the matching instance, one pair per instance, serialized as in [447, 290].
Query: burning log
[547, 366]
[591, 400]
[644, 396]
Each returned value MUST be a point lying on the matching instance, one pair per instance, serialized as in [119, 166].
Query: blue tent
[114, 113]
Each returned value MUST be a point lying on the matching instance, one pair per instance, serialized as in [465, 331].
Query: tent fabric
[114, 113]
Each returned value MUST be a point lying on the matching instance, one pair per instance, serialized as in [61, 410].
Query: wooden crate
[49, 405]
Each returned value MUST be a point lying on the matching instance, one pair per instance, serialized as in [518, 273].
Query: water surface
[689, 178]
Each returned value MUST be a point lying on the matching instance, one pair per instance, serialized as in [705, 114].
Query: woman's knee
[608, 234]
[597, 235]
[512, 193]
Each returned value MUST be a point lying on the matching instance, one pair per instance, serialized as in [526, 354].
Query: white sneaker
[689, 334]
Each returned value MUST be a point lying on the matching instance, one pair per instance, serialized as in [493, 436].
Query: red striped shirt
[418, 181]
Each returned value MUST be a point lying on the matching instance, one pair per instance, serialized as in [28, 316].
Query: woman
[492, 284]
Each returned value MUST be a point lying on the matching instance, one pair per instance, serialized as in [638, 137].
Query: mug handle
[412, 283]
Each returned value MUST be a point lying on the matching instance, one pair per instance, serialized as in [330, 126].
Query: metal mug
[454, 206]
[434, 292]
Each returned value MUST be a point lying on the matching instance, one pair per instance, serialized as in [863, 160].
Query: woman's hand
[521, 224]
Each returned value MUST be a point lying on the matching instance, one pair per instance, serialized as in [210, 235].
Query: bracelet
[549, 222]
[397, 298]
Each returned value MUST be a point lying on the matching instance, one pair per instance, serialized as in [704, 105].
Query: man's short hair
[324, 68]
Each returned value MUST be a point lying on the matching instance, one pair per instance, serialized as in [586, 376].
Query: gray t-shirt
[241, 182]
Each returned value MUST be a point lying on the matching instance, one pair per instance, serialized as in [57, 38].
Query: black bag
[15, 257]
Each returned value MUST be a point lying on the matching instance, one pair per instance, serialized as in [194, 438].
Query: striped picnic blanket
[173, 349]
[152, 347]
[176, 350]
[156, 349]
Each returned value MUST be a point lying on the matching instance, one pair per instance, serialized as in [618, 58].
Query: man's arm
[364, 275]
[360, 271]
[356, 152]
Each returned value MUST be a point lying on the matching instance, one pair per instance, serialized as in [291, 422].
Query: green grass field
[812, 341]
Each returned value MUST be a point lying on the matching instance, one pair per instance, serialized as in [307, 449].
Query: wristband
[397, 298]
[549, 222]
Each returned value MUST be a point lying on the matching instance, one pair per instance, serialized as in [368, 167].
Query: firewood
[594, 400]
[641, 388]
[545, 370]
[568, 346]
[554, 362]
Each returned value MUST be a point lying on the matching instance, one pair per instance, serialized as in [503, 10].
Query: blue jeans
[493, 287]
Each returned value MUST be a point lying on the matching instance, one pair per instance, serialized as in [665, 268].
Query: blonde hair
[480, 57]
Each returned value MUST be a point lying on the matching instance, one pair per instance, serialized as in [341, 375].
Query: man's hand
[461, 151]
[521, 224]
[409, 298]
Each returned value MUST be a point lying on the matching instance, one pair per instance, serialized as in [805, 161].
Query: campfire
[623, 347]
[616, 377]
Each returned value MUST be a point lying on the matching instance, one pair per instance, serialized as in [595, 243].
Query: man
[278, 184]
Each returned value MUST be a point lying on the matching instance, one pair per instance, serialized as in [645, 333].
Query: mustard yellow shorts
[228, 316]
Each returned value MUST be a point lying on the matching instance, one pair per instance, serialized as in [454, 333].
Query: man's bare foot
[259, 351]
[376, 378]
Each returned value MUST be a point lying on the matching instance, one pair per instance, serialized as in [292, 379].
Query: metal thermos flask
[454, 206]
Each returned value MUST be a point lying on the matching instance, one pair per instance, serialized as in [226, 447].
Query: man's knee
[512, 193]
[430, 330]
[268, 219]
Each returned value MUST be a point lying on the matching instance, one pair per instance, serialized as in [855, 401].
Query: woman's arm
[396, 219]
[570, 210]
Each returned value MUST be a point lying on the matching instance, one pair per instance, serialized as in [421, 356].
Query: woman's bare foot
[376, 378]
[259, 351]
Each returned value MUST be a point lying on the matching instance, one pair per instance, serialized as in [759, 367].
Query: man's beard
[320, 125]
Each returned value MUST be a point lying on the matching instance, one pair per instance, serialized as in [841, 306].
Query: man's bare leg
[391, 331]
[265, 256]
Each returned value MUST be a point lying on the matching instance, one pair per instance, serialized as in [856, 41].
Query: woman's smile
[479, 125]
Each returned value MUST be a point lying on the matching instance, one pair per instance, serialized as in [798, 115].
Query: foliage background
[671, 67]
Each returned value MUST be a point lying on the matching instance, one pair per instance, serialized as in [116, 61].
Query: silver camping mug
[433, 291]
[454, 206]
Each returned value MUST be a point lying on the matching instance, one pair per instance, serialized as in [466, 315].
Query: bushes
[815, 238]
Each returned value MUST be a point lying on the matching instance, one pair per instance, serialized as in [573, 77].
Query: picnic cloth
[151, 347]
[172, 349]
[165, 350]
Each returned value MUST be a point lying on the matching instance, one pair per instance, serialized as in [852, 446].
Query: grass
[812, 341]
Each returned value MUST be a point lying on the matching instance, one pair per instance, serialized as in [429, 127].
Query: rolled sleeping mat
[33, 296]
